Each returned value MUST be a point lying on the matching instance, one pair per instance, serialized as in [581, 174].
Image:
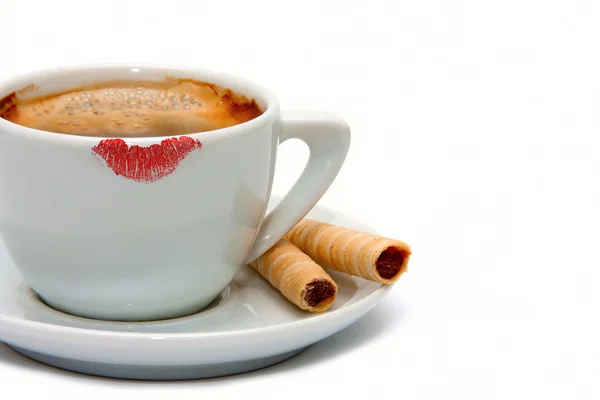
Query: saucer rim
[373, 297]
[367, 302]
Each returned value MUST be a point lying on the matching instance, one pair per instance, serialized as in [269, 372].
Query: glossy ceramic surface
[100, 245]
[249, 326]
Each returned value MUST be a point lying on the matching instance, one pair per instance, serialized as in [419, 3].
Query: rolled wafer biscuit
[356, 253]
[297, 277]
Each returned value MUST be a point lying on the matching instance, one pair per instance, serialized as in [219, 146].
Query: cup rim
[270, 109]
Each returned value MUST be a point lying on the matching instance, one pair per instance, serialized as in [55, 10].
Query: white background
[475, 139]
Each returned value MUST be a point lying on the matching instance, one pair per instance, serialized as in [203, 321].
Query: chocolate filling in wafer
[389, 263]
[318, 291]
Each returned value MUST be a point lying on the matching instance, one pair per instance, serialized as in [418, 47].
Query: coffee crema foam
[132, 109]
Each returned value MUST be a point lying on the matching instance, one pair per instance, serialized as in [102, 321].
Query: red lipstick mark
[145, 164]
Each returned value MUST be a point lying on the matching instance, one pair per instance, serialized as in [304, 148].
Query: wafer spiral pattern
[349, 251]
[297, 277]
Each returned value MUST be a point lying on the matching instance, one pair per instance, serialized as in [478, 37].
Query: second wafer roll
[356, 253]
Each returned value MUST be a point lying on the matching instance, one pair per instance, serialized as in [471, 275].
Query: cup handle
[328, 139]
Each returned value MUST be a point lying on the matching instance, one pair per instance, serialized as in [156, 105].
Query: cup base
[53, 310]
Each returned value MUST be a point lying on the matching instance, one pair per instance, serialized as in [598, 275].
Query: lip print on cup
[145, 164]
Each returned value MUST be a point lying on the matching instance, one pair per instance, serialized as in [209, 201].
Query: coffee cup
[94, 238]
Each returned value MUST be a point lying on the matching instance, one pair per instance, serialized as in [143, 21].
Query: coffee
[132, 109]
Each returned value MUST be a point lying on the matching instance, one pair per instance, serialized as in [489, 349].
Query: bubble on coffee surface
[127, 110]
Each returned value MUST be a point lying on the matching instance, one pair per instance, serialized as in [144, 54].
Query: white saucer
[249, 326]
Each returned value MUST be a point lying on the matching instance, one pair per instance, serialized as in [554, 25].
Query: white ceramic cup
[99, 245]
